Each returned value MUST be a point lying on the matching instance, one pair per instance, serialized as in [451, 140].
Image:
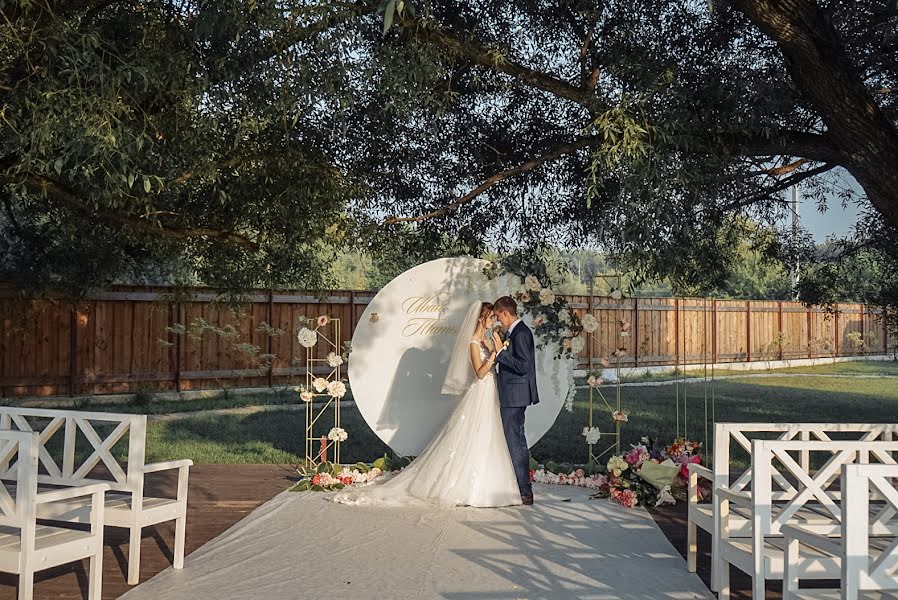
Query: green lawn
[276, 437]
[868, 367]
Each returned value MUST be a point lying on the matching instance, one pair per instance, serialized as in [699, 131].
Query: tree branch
[531, 164]
[780, 186]
[59, 193]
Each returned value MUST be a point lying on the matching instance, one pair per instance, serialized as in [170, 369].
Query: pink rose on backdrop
[539, 319]
[579, 473]
[525, 297]
[323, 320]
[605, 361]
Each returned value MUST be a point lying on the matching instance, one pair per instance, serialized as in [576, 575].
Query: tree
[172, 138]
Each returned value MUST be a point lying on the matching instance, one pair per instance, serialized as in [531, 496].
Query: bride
[467, 463]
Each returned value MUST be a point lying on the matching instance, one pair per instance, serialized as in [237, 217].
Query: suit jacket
[517, 369]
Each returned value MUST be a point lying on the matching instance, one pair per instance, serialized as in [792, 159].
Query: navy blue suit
[517, 391]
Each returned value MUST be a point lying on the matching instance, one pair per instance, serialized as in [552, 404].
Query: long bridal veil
[460, 375]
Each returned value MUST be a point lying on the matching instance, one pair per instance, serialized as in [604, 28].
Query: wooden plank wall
[118, 340]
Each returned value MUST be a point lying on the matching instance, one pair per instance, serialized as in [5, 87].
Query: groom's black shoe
[527, 500]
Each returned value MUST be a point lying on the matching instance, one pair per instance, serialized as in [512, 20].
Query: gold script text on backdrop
[426, 315]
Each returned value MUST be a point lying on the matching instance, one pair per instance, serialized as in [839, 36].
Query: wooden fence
[119, 340]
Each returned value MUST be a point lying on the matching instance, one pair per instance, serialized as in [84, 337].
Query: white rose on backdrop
[306, 337]
[617, 294]
[590, 324]
[563, 315]
[532, 284]
[320, 384]
[306, 396]
[547, 297]
[336, 389]
[334, 360]
[577, 344]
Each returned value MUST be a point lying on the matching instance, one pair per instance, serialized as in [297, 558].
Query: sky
[837, 220]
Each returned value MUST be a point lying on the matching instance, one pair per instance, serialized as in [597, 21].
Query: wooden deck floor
[220, 495]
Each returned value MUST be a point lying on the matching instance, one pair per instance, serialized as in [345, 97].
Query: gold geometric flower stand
[318, 447]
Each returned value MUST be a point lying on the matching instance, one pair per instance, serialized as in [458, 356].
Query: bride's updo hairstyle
[485, 309]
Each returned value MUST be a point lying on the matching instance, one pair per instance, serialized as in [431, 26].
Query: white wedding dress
[466, 464]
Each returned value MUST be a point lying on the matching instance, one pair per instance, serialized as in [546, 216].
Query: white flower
[590, 324]
[336, 389]
[306, 337]
[323, 320]
[593, 381]
[306, 396]
[547, 297]
[334, 359]
[617, 465]
[617, 294]
[563, 315]
[320, 384]
[577, 344]
[532, 284]
[665, 497]
[592, 435]
[337, 434]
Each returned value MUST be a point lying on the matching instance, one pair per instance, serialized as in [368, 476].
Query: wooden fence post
[677, 332]
[270, 341]
[837, 334]
[179, 309]
[779, 316]
[352, 317]
[863, 329]
[810, 348]
[714, 332]
[748, 330]
[635, 331]
[73, 348]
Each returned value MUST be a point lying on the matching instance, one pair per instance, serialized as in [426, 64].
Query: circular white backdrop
[400, 357]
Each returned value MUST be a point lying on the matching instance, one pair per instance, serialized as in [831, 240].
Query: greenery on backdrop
[237, 142]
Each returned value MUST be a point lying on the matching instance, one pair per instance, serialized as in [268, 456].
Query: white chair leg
[134, 556]
[180, 534]
[723, 581]
[790, 569]
[26, 585]
[691, 546]
[95, 582]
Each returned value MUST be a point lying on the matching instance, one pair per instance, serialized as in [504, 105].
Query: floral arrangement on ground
[329, 477]
[649, 474]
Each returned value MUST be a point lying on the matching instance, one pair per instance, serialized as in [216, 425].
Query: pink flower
[594, 381]
[346, 480]
[637, 456]
[579, 473]
[316, 479]
[625, 326]
[323, 320]
[525, 297]
[539, 319]
[605, 361]
[566, 344]
[626, 498]
[619, 416]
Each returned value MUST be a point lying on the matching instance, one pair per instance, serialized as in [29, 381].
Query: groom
[517, 387]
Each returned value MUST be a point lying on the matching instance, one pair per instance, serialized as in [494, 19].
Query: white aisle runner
[298, 545]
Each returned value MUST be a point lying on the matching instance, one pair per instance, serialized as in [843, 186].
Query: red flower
[316, 479]
[684, 470]
[346, 480]
[532, 472]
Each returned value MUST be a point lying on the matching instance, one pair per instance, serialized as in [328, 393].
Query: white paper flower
[592, 435]
[306, 337]
[532, 283]
[547, 297]
[320, 384]
[590, 324]
[334, 359]
[337, 434]
[306, 396]
[336, 389]
[577, 344]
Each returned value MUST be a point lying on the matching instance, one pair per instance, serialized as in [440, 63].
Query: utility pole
[795, 226]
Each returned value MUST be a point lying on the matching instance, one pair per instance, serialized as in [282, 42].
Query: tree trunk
[815, 56]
